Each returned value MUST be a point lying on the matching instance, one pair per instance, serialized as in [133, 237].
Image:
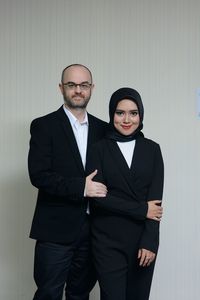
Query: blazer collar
[71, 138]
[66, 125]
[128, 174]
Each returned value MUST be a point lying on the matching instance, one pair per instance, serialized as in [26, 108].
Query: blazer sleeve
[150, 237]
[111, 202]
[40, 161]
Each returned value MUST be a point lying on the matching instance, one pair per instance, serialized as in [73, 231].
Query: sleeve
[150, 237]
[113, 203]
[40, 161]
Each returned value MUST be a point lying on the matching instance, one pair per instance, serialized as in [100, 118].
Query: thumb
[157, 201]
[91, 176]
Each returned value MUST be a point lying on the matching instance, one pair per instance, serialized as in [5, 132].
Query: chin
[126, 133]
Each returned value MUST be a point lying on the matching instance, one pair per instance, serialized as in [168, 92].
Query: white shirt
[80, 132]
[127, 149]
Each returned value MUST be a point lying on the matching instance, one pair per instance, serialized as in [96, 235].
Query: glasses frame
[84, 86]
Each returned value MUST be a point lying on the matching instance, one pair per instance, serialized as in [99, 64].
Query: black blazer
[55, 168]
[129, 189]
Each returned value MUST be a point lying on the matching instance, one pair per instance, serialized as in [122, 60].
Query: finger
[91, 176]
[139, 253]
[147, 258]
[149, 262]
[159, 214]
[151, 259]
[157, 202]
[100, 185]
[100, 195]
[142, 259]
[101, 190]
[157, 219]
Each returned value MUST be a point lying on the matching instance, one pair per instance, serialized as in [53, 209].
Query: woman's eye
[119, 113]
[134, 113]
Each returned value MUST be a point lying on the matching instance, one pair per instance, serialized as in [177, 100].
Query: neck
[79, 113]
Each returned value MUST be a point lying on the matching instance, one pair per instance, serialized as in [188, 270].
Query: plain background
[150, 45]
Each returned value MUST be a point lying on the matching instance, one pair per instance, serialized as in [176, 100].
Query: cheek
[136, 120]
[116, 121]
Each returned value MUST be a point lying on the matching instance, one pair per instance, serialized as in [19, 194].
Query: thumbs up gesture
[94, 188]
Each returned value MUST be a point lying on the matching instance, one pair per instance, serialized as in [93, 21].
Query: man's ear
[61, 87]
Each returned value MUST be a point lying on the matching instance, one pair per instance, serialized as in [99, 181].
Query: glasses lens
[73, 86]
[84, 86]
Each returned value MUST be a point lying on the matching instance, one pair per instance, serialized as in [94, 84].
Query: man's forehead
[76, 71]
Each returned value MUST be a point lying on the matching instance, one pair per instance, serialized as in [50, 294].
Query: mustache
[78, 95]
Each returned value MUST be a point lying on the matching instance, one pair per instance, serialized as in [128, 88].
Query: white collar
[73, 119]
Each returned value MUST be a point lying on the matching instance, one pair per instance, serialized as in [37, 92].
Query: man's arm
[40, 161]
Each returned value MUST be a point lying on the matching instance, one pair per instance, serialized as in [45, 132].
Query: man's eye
[84, 86]
[71, 85]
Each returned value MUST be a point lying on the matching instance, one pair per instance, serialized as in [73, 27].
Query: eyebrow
[118, 109]
[72, 82]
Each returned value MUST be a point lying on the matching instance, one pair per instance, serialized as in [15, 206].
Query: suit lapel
[136, 160]
[91, 134]
[127, 173]
[70, 137]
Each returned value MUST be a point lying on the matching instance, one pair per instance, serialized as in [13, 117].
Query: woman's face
[126, 117]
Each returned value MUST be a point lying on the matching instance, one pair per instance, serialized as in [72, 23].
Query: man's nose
[77, 89]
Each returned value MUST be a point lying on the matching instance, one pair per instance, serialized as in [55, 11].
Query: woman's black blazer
[129, 189]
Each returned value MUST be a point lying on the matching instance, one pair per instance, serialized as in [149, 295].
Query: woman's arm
[150, 237]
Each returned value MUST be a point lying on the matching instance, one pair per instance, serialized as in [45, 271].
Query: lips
[126, 127]
[78, 98]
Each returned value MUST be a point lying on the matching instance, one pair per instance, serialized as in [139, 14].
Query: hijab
[117, 96]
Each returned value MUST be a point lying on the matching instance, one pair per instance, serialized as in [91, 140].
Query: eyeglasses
[84, 86]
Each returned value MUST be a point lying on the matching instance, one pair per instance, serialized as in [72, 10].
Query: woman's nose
[126, 118]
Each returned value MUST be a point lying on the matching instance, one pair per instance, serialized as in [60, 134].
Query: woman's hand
[145, 257]
[155, 211]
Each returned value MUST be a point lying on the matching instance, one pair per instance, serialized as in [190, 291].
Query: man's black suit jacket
[56, 169]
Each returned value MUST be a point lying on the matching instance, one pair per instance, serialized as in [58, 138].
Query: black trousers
[59, 266]
[123, 283]
[116, 241]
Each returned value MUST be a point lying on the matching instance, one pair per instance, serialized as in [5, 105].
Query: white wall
[150, 45]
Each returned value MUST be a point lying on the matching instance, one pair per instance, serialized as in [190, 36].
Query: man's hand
[94, 188]
[155, 211]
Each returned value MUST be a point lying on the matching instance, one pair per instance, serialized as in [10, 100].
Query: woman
[125, 223]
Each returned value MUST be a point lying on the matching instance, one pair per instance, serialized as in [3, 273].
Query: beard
[73, 104]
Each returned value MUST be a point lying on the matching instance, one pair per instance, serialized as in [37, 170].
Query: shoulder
[149, 146]
[148, 142]
[95, 120]
[44, 123]
[48, 118]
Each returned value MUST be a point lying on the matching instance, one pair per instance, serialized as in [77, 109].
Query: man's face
[76, 87]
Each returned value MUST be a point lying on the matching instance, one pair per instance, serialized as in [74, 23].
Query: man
[57, 159]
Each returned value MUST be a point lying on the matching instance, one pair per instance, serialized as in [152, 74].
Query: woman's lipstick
[126, 127]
